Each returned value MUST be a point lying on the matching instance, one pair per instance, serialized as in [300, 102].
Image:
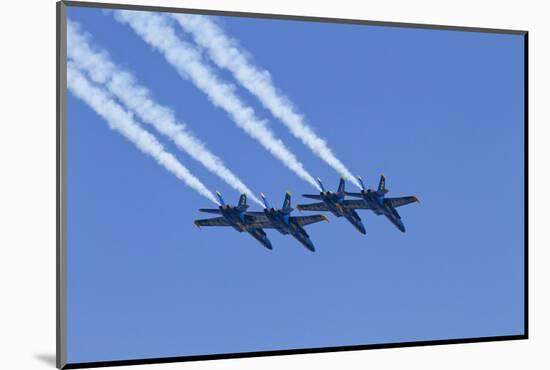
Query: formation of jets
[254, 222]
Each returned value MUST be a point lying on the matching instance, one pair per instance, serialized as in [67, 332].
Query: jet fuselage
[286, 225]
[234, 216]
[378, 204]
[333, 201]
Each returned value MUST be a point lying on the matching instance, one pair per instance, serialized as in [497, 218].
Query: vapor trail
[226, 53]
[122, 121]
[137, 98]
[155, 30]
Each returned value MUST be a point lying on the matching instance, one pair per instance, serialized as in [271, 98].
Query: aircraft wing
[355, 204]
[209, 210]
[307, 220]
[313, 207]
[312, 196]
[401, 201]
[216, 221]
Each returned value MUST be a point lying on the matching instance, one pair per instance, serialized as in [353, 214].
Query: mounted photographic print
[236, 185]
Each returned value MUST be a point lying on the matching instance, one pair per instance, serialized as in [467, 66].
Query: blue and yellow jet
[376, 201]
[335, 203]
[281, 220]
[236, 217]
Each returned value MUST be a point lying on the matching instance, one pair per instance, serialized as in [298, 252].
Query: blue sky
[439, 112]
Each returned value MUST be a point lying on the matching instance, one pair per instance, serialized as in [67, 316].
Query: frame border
[61, 186]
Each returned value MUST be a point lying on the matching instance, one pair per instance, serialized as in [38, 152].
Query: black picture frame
[61, 161]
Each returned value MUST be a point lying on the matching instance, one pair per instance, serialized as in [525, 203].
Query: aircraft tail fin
[382, 184]
[242, 200]
[220, 198]
[242, 203]
[264, 199]
[286, 204]
[321, 184]
[342, 185]
[361, 182]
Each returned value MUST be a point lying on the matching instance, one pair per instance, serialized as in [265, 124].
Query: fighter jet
[335, 203]
[281, 220]
[376, 201]
[236, 217]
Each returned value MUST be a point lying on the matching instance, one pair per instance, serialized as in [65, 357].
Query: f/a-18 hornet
[236, 217]
[281, 220]
[376, 201]
[335, 203]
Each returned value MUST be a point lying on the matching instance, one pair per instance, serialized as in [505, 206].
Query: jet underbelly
[373, 205]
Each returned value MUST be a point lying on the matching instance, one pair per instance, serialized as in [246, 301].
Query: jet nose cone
[268, 245]
[401, 227]
[362, 229]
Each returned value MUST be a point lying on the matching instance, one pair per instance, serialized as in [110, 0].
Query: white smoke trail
[137, 98]
[122, 121]
[155, 30]
[226, 53]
